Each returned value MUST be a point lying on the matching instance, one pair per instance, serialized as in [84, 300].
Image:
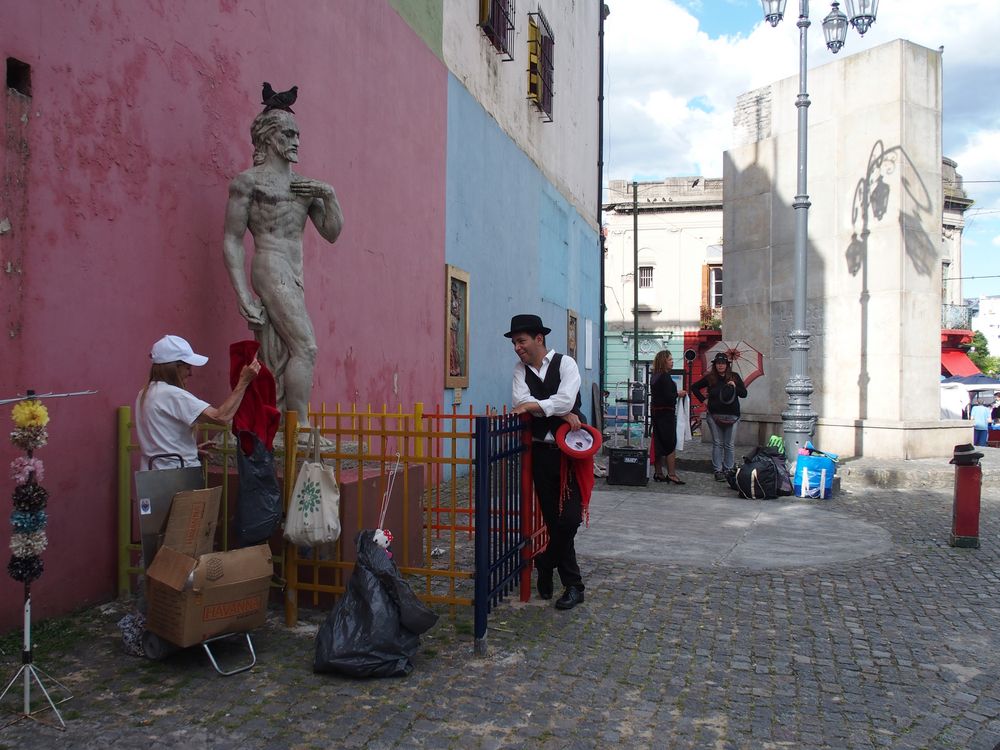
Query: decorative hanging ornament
[30, 497]
[28, 545]
[22, 467]
[30, 413]
[25, 522]
[29, 438]
[25, 569]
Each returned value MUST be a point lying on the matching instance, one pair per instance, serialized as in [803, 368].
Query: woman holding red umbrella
[725, 389]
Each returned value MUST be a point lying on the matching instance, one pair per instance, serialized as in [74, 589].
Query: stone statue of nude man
[273, 202]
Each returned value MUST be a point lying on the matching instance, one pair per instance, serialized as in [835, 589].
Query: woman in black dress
[663, 414]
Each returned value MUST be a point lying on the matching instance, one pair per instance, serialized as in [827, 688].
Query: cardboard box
[192, 599]
[192, 519]
[194, 595]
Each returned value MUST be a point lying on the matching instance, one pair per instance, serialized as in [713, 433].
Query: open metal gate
[505, 519]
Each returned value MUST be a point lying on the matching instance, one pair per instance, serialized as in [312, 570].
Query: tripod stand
[29, 672]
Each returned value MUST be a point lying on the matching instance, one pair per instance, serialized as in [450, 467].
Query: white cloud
[658, 62]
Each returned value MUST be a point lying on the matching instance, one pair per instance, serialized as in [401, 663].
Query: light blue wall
[525, 247]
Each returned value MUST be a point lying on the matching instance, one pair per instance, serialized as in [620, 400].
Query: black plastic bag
[374, 630]
[258, 511]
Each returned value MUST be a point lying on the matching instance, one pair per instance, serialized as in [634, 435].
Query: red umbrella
[746, 361]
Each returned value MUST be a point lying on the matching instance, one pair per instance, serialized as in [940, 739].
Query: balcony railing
[956, 317]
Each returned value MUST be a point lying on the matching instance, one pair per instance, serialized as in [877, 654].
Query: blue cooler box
[813, 476]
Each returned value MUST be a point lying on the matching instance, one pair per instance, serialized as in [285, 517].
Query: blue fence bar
[499, 530]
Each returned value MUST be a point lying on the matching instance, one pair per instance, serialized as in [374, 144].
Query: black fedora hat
[720, 357]
[965, 454]
[528, 324]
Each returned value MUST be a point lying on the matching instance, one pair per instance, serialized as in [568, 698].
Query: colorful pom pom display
[28, 519]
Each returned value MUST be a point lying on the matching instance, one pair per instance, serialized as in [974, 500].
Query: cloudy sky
[675, 67]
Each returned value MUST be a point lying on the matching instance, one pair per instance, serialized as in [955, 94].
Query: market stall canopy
[957, 364]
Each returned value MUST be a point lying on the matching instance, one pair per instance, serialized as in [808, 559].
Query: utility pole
[635, 279]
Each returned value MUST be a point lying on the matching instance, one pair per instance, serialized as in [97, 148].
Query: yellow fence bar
[125, 546]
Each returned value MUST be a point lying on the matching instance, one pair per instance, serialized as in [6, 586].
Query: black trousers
[560, 554]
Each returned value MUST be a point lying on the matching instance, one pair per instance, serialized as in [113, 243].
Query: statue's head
[277, 130]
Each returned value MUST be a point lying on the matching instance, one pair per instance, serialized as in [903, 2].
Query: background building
[681, 285]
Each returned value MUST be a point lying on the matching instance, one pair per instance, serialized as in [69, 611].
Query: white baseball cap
[175, 349]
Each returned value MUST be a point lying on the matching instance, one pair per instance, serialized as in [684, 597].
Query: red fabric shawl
[583, 471]
[258, 411]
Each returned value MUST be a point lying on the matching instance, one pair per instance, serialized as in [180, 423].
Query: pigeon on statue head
[272, 99]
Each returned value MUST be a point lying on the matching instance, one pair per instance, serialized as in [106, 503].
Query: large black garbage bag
[258, 511]
[374, 630]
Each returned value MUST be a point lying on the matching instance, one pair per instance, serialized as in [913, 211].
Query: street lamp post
[799, 419]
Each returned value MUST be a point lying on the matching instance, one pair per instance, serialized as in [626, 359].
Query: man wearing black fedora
[547, 386]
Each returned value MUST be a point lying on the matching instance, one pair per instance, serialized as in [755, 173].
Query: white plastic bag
[683, 422]
[314, 508]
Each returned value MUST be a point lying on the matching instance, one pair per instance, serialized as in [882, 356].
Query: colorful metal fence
[431, 467]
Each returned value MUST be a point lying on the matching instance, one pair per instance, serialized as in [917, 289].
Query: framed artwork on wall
[571, 338]
[456, 343]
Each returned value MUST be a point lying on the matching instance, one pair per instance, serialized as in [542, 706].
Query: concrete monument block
[874, 250]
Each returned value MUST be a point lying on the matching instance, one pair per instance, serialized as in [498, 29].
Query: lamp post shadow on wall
[799, 419]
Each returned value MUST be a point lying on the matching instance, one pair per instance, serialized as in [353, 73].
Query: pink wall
[139, 118]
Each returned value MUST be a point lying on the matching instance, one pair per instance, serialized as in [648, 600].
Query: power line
[962, 278]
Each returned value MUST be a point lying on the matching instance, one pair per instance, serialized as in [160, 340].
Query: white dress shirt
[563, 400]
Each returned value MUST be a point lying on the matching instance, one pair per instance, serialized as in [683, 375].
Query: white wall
[675, 242]
[874, 245]
[564, 149]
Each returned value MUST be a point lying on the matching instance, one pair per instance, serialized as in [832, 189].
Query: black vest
[543, 389]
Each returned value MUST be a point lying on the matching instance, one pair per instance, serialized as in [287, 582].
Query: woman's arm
[696, 389]
[224, 413]
[741, 389]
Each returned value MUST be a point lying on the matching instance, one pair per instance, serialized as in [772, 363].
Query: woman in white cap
[166, 412]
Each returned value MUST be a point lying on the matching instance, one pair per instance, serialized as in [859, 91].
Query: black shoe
[545, 583]
[570, 598]
[719, 476]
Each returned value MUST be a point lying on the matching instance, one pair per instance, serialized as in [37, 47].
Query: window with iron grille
[645, 277]
[715, 287]
[496, 19]
[541, 46]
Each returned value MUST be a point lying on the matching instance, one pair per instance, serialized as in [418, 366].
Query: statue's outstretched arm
[237, 218]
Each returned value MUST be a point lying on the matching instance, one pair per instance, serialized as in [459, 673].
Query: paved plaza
[709, 622]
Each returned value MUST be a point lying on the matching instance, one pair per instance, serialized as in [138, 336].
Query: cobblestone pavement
[899, 649]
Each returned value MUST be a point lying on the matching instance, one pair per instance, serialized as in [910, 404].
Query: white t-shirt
[165, 422]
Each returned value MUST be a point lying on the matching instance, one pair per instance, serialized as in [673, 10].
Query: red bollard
[965, 510]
